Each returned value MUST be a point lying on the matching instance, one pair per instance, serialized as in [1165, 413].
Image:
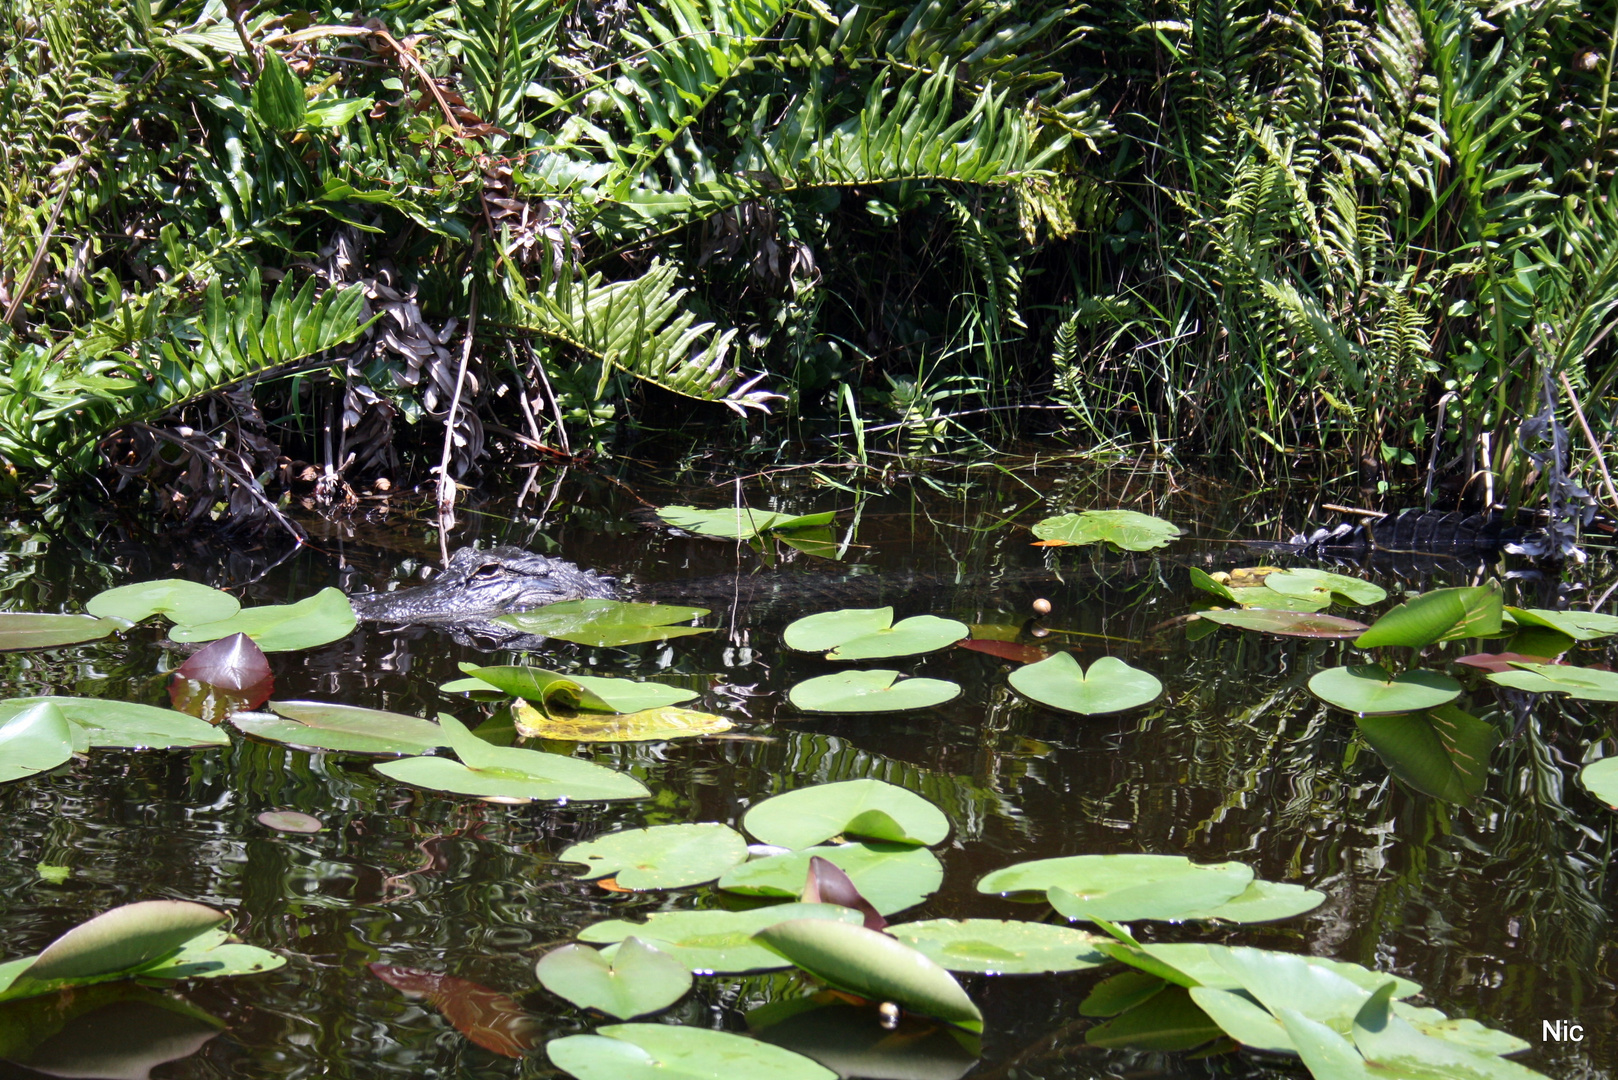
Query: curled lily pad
[182, 601]
[322, 618]
[878, 690]
[1578, 625]
[1440, 615]
[715, 942]
[1285, 623]
[891, 876]
[579, 691]
[871, 809]
[870, 634]
[1000, 946]
[739, 522]
[123, 939]
[1369, 689]
[1581, 684]
[667, 1052]
[27, 630]
[33, 740]
[638, 979]
[661, 857]
[606, 623]
[1127, 530]
[1109, 686]
[648, 725]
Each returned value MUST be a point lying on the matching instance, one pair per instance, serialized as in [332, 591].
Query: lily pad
[891, 876]
[870, 809]
[739, 522]
[290, 821]
[648, 725]
[1109, 686]
[1127, 530]
[1166, 1020]
[873, 965]
[343, 728]
[494, 1021]
[715, 942]
[1369, 689]
[318, 620]
[1124, 888]
[1000, 946]
[1578, 625]
[110, 723]
[1443, 752]
[1261, 901]
[27, 630]
[1600, 778]
[639, 979]
[877, 690]
[661, 857]
[1581, 684]
[605, 623]
[33, 740]
[1440, 615]
[1197, 964]
[579, 691]
[182, 601]
[667, 1052]
[212, 955]
[505, 772]
[871, 634]
[1285, 623]
[123, 939]
[1308, 582]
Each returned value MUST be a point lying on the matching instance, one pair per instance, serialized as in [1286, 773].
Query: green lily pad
[505, 772]
[27, 630]
[1308, 582]
[1600, 778]
[1285, 623]
[1443, 752]
[106, 722]
[1385, 1037]
[1440, 615]
[182, 601]
[122, 939]
[605, 623]
[648, 725]
[739, 523]
[873, 965]
[344, 728]
[1109, 686]
[1167, 1020]
[1123, 888]
[591, 692]
[1197, 964]
[639, 979]
[661, 857]
[212, 955]
[1581, 684]
[1261, 901]
[1369, 689]
[33, 740]
[871, 634]
[891, 876]
[715, 942]
[1578, 625]
[322, 618]
[666, 1052]
[1127, 530]
[871, 809]
[1000, 946]
[1258, 596]
[877, 690]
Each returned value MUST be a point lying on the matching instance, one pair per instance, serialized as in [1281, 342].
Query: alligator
[479, 585]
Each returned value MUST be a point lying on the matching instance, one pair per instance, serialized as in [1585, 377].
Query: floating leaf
[1109, 686]
[1262, 901]
[827, 884]
[495, 1021]
[322, 618]
[26, 630]
[1581, 684]
[33, 740]
[891, 876]
[579, 691]
[1006, 650]
[661, 857]
[826, 630]
[1600, 778]
[1000, 946]
[871, 634]
[715, 942]
[1440, 615]
[1196, 964]
[738, 522]
[1500, 661]
[871, 809]
[1166, 1020]
[212, 955]
[873, 965]
[291, 821]
[1127, 530]
[842, 1037]
[1370, 689]
[228, 676]
[504, 772]
[1285, 623]
[1123, 887]
[1578, 625]
[1308, 582]
[344, 728]
[667, 1052]
[1389, 1040]
[1443, 752]
[123, 939]
[109, 723]
[639, 979]
[648, 725]
[182, 601]
[878, 690]
[605, 623]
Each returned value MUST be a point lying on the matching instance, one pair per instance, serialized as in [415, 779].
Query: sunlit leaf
[1581, 684]
[122, 939]
[345, 728]
[1262, 901]
[112, 723]
[1123, 887]
[1578, 625]
[661, 857]
[637, 980]
[1308, 582]
[1443, 752]
[606, 622]
[322, 618]
[1167, 1020]
[1000, 946]
[866, 634]
[878, 690]
[739, 523]
[667, 1052]
[33, 740]
[579, 691]
[1370, 689]
[870, 809]
[1285, 623]
[648, 725]
[26, 630]
[891, 876]
[182, 601]
[1127, 530]
[1109, 686]
[715, 942]
[1600, 778]
[1440, 615]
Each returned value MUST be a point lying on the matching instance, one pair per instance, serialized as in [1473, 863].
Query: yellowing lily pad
[591, 692]
[648, 725]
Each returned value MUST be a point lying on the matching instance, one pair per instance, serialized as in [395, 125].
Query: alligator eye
[487, 570]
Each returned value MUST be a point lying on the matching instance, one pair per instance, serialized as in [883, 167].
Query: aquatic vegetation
[1121, 530]
[871, 634]
[874, 690]
[1109, 686]
[607, 622]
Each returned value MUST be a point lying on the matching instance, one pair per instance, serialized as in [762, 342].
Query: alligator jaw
[478, 585]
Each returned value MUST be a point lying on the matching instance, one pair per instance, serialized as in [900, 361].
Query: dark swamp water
[1499, 908]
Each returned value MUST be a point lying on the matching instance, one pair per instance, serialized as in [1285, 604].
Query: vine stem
[446, 486]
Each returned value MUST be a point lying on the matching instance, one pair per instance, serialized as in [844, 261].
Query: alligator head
[478, 585]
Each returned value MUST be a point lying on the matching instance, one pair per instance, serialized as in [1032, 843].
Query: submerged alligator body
[479, 585]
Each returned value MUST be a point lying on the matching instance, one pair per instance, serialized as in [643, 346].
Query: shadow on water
[1499, 908]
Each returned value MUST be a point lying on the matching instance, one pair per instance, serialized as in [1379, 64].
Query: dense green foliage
[1272, 229]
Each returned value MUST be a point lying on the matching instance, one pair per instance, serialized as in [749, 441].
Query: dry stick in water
[1601, 460]
[446, 486]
